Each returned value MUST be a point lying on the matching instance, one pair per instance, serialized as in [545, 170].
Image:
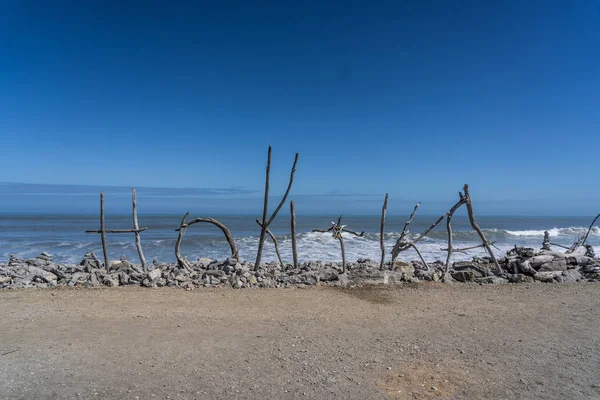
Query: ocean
[63, 236]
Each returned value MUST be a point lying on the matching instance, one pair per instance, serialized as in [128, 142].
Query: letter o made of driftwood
[224, 229]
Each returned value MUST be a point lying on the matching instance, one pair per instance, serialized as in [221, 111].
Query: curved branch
[180, 261]
[323, 230]
[449, 229]
[354, 233]
[419, 253]
[226, 232]
[477, 229]
[287, 192]
[138, 239]
[274, 242]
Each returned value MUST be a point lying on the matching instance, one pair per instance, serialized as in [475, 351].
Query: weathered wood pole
[182, 263]
[265, 223]
[293, 222]
[103, 233]
[381, 242]
[477, 229]
[138, 236]
[449, 229]
[341, 239]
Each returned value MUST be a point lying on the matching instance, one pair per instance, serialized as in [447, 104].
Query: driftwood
[381, 233]
[265, 223]
[582, 240]
[449, 215]
[477, 229]
[184, 225]
[293, 223]
[337, 228]
[465, 249]
[274, 242]
[103, 231]
[224, 229]
[420, 256]
[560, 245]
[180, 261]
[136, 226]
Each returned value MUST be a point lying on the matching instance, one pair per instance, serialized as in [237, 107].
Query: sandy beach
[418, 341]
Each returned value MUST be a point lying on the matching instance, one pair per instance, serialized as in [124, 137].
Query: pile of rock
[519, 265]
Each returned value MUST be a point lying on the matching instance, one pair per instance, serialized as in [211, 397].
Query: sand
[425, 341]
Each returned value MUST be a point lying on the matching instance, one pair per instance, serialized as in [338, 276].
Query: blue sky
[411, 98]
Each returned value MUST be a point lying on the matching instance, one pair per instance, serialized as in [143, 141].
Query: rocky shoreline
[520, 265]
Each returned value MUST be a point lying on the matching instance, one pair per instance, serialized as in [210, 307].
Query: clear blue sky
[411, 98]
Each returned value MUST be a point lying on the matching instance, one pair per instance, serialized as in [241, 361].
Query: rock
[110, 280]
[556, 265]
[569, 276]
[154, 275]
[93, 280]
[520, 278]
[90, 260]
[547, 276]
[45, 275]
[5, 279]
[463, 276]
[495, 280]
[327, 274]
[123, 278]
[579, 251]
[407, 270]
[537, 261]
[79, 277]
[581, 261]
[215, 272]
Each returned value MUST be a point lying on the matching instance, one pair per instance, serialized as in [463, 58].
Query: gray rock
[537, 261]
[547, 276]
[495, 280]
[93, 280]
[569, 276]
[520, 278]
[154, 275]
[45, 275]
[406, 270]
[110, 280]
[556, 265]
[123, 278]
[463, 276]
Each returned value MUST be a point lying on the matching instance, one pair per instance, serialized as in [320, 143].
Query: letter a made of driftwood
[264, 223]
[136, 229]
[182, 227]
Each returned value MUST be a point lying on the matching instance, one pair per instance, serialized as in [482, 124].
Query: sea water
[63, 236]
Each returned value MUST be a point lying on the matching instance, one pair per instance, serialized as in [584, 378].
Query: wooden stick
[462, 250]
[382, 231]
[117, 230]
[560, 245]
[477, 229]
[103, 233]
[449, 229]
[589, 230]
[293, 222]
[274, 242]
[341, 239]
[287, 192]
[138, 237]
[420, 256]
[224, 229]
[182, 263]
[400, 242]
[264, 225]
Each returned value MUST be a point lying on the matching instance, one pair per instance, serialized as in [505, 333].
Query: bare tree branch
[138, 237]
[382, 231]
[182, 263]
[103, 233]
[449, 229]
[293, 223]
[224, 229]
[265, 223]
[477, 229]
[419, 253]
